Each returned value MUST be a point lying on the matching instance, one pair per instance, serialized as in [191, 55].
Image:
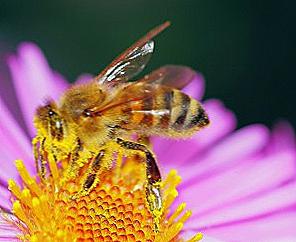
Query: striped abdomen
[167, 112]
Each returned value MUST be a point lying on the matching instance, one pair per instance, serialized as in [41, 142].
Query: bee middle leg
[153, 194]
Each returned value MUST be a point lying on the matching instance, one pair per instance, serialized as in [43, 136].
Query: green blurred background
[244, 48]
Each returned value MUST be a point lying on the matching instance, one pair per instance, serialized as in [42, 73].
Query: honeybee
[96, 119]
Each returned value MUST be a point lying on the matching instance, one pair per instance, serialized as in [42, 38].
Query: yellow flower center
[115, 210]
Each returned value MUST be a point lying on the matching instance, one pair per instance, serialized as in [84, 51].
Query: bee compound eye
[87, 113]
[50, 113]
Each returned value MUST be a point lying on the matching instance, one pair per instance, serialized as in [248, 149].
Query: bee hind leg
[153, 194]
[145, 140]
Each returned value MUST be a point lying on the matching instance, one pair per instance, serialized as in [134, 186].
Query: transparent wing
[130, 66]
[171, 75]
[132, 61]
[124, 95]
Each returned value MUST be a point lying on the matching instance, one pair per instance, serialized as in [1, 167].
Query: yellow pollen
[115, 209]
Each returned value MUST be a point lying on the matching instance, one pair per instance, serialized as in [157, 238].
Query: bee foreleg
[43, 158]
[36, 154]
[92, 175]
[39, 156]
[153, 193]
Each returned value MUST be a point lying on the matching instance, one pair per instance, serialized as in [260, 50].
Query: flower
[239, 184]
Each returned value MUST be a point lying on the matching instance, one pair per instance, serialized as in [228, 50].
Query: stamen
[178, 211]
[28, 180]
[186, 216]
[173, 231]
[26, 197]
[37, 208]
[14, 188]
[114, 209]
[19, 212]
[196, 238]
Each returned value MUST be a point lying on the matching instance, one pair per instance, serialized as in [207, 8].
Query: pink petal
[8, 232]
[242, 144]
[196, 88]
[273, 228]
[83, 78]
[14, 144]
[282, 137]
[33, 80]
[177, 152]
[8, 96]
[7, 168]
[5, 198]
[222, 122]
[60, 82]
[266, 204]
[188, 234]
[249, 178]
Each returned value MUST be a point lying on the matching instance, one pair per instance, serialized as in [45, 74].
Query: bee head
[49, 122]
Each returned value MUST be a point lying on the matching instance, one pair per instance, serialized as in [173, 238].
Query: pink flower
[239, 184]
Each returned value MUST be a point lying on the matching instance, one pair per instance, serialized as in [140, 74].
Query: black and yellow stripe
[166, 110]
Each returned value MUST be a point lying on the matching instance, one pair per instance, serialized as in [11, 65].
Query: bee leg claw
[154, 200]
